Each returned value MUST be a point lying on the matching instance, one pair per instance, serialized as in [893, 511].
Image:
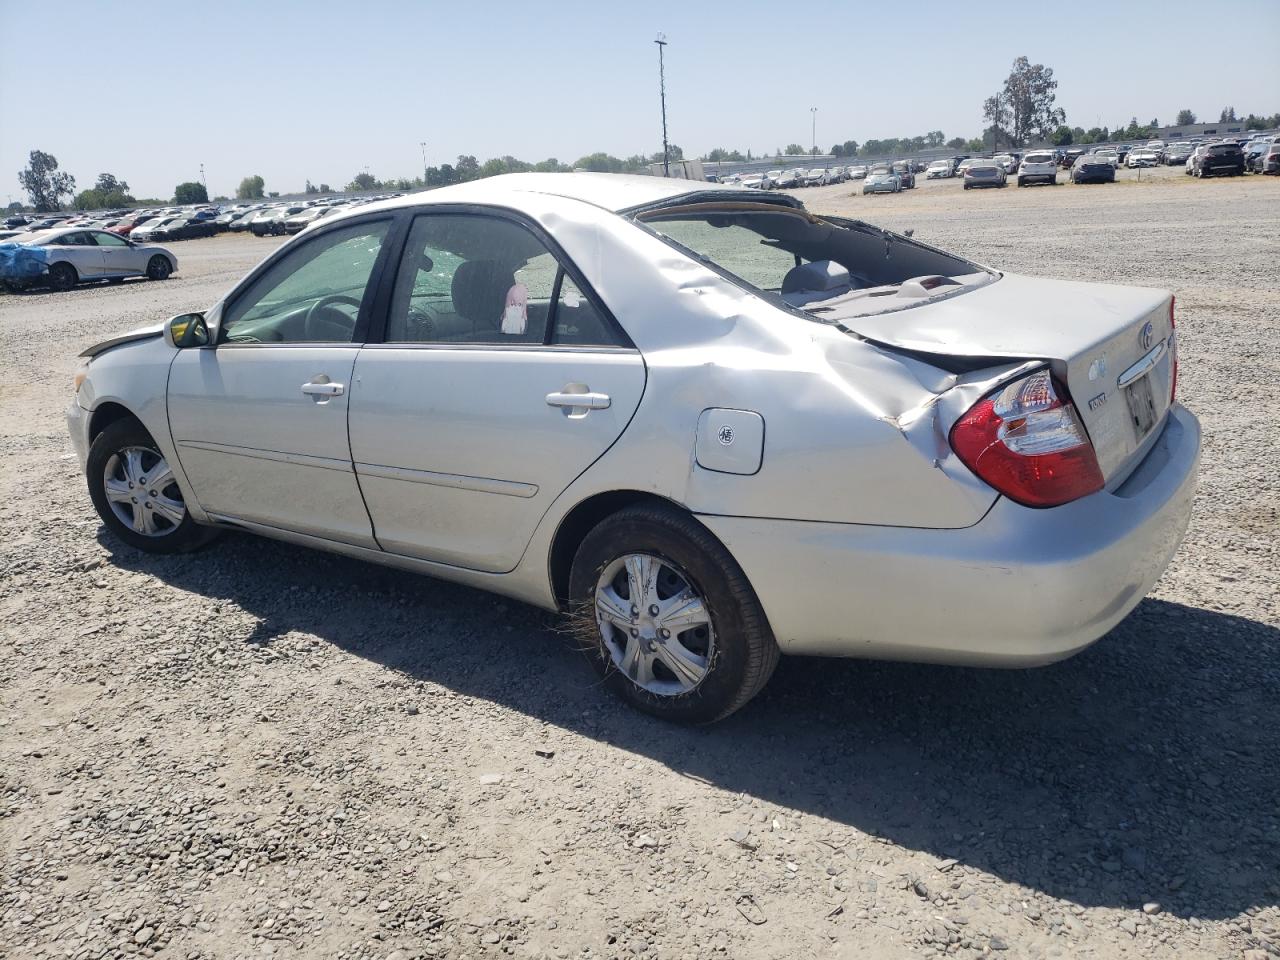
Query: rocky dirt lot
[262, 751]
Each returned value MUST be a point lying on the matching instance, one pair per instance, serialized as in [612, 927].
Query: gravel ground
[259, 750]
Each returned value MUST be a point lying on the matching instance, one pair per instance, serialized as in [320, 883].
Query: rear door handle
[323, 389]
[587, 401]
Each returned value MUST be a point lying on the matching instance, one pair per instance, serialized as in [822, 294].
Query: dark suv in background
[1218, 158]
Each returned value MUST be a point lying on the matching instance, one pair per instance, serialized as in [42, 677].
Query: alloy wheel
[654, 624]
[142, 492]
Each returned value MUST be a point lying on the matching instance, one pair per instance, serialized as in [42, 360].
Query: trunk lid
[1096, 338]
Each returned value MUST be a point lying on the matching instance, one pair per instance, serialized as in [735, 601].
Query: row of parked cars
[188, 223]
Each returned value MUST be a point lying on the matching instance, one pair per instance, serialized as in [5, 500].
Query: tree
[1228, 115]
[363, 181]
[14, 207]
[599, 163]
[107, 183]
[974, 145]
[190, 192]
[552, 165]
[468, 168]
[795, 150]
[1024, 107]
[310, 187]
[45, 184]
[1062, 137]
[250, 188]
[88, 200]
[1186, 117]
[325, 188]
[995, 111]
[957, 143]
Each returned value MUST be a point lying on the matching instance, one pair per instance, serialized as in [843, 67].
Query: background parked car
[1219, 158]
[939, 169]
[304, 218]
[1177, 153]
[67, 256]
[1141, 157]
[1038, 167]
[984, 173]
[1253, 153]
[858, 171]
[1270, 162]
[815, 177]
[1094, 168]
[908, 177]
[882, 178]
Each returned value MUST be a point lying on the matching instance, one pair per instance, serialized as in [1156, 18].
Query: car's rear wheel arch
[581, 520]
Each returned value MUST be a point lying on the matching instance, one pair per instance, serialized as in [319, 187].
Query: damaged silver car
[711, 426]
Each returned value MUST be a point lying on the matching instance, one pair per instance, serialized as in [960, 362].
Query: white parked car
[66, 256]
[1108, 154]
[1142, 157]
[712, 426]
[1038, 167]
[939, 169]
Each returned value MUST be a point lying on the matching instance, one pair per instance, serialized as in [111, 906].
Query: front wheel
[159, 268]
[136, 494]
[669, 619]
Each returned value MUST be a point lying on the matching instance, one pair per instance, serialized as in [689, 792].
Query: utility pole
[423, 145]
[813, 113]
[662, 97]
[204, 181]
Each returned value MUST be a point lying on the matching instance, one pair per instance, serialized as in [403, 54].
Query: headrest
[479, 292]
[816, 277]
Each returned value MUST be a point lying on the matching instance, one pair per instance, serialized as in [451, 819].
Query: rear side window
[477, 279]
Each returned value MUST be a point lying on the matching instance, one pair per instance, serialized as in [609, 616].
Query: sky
[291, 90]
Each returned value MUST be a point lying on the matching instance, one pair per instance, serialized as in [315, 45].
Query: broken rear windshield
[827, 267]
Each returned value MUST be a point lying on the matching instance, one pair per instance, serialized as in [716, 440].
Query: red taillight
[1029, 444]
[1173, 353]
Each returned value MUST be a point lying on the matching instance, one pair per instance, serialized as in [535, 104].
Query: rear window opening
[828, 267]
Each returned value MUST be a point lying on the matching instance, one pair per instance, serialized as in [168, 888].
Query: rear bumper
[1020, 588]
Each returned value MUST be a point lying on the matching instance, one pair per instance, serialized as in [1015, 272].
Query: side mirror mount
[187, 330]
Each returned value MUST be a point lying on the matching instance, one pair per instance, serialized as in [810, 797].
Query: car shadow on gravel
[1144, 769]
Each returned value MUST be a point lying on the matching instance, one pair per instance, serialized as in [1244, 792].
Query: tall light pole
[423, 145]
[205, 182]
[813, 113]
[662, 97]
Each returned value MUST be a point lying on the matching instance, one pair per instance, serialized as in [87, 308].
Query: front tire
[671, 623]
[136, 494]
[159, 268]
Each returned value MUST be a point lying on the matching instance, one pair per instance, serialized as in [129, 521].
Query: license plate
[1142, 405]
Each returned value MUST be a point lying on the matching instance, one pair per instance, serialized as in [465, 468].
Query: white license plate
[1142, 405]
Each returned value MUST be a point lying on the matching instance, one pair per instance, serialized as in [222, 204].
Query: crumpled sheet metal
[18, 262]
[854, 432]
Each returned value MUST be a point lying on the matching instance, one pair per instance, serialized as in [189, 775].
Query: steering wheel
[325, 323]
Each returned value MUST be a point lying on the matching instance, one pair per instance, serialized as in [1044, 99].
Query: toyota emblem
[1145, 336]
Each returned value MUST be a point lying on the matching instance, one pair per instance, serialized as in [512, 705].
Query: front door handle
[585, 401]
[326, 389]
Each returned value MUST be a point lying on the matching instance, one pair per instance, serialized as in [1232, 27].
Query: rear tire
[733, 650]
[146, 512]
[159, 268]
[62, 277]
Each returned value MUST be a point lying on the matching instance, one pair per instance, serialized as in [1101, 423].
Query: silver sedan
[67, 256]
[708, 425]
